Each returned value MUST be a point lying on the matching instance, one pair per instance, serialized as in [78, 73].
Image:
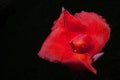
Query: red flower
[76, 40]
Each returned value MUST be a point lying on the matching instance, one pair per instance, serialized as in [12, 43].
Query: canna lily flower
[76, 40]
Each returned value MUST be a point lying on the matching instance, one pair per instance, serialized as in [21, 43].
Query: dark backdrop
[24, 24]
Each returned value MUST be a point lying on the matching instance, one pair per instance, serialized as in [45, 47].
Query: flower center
[82, 44]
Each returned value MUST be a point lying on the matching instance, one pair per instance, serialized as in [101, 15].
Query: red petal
[97, 27]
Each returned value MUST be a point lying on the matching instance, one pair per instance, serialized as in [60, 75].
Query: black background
[24, 25]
